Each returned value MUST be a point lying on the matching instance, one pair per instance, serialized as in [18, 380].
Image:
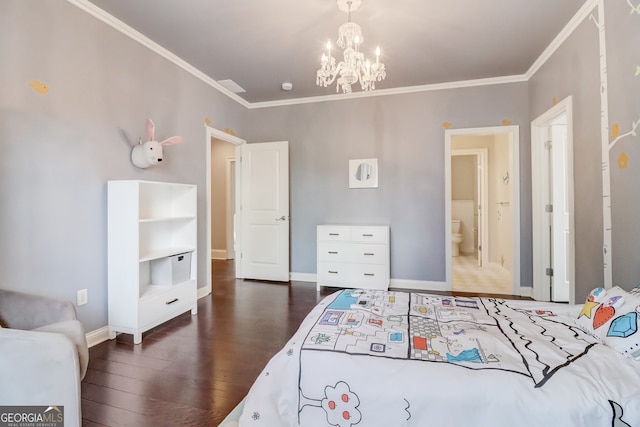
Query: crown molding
[562, 36]
[125, 29]
[393, 91]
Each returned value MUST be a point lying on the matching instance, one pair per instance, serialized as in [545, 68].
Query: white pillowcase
[613, 316]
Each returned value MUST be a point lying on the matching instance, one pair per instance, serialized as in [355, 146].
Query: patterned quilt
[384, 358]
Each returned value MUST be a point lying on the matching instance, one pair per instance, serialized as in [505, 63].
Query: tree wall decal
[607, 145]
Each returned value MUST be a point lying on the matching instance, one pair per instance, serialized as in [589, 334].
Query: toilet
[456, 237]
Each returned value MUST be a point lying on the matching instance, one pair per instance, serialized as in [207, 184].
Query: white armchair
[43, 353]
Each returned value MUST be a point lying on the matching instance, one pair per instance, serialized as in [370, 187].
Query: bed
[391, 358]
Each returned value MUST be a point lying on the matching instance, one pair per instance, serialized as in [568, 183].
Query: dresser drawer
[363, 253]
[335, 252]
[334, 233]
[332, 273]
[165, 305]
[370, 234]
[367, 276]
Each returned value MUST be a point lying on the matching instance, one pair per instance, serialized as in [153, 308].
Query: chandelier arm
[333, 74]
[338, 69]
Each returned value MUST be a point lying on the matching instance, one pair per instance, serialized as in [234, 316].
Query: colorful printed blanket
[385, 358]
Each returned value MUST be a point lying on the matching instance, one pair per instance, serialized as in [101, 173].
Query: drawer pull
[369, 274]
[332, 272]
[367, 235]
[334, 234]
[369, 253]
[172, 301]
[333, 252]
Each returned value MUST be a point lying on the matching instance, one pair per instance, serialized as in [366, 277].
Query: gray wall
[60, 148]
[406, 135]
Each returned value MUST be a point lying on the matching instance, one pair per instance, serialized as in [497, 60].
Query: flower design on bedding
[472, 333]
[339, 403]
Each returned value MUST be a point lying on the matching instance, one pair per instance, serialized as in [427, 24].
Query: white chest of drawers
[353, 256]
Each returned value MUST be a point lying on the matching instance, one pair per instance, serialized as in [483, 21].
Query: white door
[560, 214]
[265, 211]
[231, 208]
[483, 220]
[552, 204]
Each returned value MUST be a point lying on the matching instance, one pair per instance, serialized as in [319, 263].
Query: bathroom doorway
[482, 191]
[469, 200]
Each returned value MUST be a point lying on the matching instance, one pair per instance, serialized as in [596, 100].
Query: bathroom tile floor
[468, 277]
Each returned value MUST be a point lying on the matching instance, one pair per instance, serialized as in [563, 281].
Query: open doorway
[216, 139]
[469, 200]
[482, 210]
[261, 181]
[222, 200]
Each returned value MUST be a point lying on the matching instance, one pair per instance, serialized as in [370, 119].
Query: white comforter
[394, 359]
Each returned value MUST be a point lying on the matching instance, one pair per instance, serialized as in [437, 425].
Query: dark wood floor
[193, 370]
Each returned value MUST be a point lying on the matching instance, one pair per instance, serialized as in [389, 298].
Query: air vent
[231, 85]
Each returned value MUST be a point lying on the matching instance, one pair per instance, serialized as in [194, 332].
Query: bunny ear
[150, 129]
[172, 141]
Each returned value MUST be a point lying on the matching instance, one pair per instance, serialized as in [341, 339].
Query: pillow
[613, 316]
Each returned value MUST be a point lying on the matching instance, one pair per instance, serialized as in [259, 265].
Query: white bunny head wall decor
[149, 153]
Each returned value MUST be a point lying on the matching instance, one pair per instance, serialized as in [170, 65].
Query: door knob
[282, 218]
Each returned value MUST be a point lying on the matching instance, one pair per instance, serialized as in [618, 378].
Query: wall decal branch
[632, 132]
[634, 9]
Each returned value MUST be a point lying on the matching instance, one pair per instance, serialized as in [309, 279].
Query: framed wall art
[363, 173]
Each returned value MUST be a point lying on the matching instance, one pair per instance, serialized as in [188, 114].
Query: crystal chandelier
[354, 68]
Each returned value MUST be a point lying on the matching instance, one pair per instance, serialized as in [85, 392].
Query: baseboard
[98, 336]
[526, 291]
[303, 277]
[218, 254]
[421, 285]
[203, 292]
[418, 285]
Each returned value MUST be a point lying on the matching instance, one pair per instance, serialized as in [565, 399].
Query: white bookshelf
[147, 222]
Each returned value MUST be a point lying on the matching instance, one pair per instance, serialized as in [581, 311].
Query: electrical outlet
[82, 297]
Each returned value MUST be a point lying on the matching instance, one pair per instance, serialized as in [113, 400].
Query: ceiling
[259, 44]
